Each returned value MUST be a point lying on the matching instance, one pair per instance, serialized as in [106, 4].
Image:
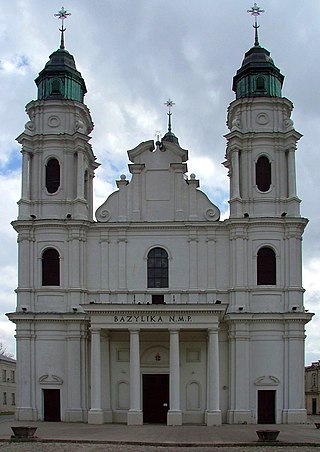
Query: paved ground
[53, 447]
[69, 437]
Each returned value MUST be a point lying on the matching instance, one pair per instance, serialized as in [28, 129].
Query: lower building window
[158, 299]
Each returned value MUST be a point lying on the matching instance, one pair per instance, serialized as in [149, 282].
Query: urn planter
[268, 435]
[23, 432]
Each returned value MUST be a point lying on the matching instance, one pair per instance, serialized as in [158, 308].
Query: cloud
[133, 56]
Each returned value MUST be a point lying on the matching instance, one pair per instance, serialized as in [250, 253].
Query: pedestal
[174, 417]
[134, 417]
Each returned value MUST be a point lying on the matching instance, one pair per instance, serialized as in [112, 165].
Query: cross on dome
[62, 15]
[169, 104]
[255, 11]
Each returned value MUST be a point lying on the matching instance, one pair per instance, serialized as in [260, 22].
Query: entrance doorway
[51, 405]
[155, 398]
[266, 407]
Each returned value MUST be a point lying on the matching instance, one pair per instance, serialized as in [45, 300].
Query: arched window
[263, 173]
[158, 268]
[50, 267]
[56, 87]
[52, 175]
[260, 83]
[266, 266]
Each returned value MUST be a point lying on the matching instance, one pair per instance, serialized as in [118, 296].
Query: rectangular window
[12, 376]
[4, 375]
[13, 399]
[4, 398]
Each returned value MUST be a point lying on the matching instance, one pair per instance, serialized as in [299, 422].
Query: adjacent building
[312, 388]
[7, 384]
[153, 309]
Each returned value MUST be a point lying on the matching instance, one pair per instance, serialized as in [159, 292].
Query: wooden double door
[155, 396]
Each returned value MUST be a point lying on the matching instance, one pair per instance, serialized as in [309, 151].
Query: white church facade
[153, 310]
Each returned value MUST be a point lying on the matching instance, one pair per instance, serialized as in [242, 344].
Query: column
[135, 412]
[174, 413]
[80, 176]
[193, 262]
[239, 346]
[25, 192]
[291, 174]
[74, 412]
[25, 409]
[105, 367]
[122, 275]
[213, 414]
[95, 415]
[294, 412]
[235, 174]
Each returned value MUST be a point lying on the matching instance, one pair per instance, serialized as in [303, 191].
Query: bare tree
[3, 351]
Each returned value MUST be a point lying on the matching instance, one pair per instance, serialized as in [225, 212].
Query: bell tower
[262, 141]
[58, 163]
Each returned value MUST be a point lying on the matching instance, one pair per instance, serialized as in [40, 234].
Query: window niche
[266, 266]
[52, 175]
[50, 267]
[263, 173]
[260, 83]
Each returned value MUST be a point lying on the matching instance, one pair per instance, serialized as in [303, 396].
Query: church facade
[154, 310]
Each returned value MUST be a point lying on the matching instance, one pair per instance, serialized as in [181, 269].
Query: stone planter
[23, 432]
[268, 435]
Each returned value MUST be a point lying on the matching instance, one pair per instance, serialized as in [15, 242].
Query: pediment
[140, 153]
[267, 380]
[50, 380]
[159, 190]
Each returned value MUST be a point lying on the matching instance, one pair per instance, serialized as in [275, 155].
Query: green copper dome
[60, 79]
[258, 75]
[170, 136]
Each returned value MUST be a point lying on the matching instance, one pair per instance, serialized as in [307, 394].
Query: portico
[138, 328]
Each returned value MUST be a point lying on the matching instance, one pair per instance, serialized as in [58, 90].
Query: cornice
[268, 317]
[48, 317]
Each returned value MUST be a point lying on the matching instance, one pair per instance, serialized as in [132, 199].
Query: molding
[267, 380]
[50, 380]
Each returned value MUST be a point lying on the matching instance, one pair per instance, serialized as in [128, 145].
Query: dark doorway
[51, 405]
[155, 398]
[314, 406]
[266, 407]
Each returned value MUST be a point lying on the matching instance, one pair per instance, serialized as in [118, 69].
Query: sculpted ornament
[79, 125]
[236, 122]
[287, 121]
[54, 121]
[212, 214]
[262, 119]
[30, 125]
[103, 215]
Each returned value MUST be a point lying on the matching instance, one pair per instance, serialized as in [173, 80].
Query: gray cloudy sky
[134, 55]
